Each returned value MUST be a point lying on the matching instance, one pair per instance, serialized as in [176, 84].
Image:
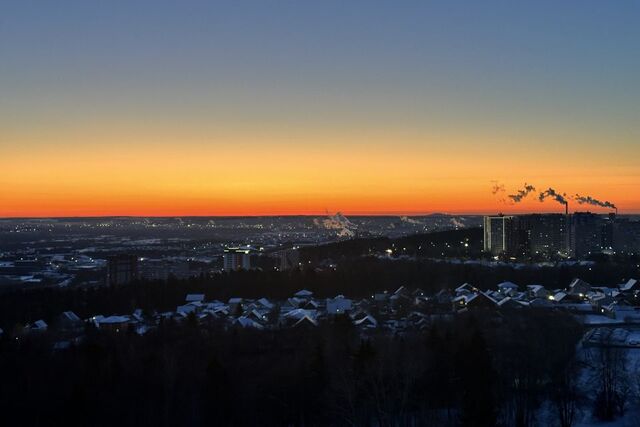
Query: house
[311, 305]
[296, 302]
[537, 291]
[604, 290]
[507, 288]
[579, 287]
[632, 285]
[299, 313]
[559, 297]
[417, 320]
[381, 297]
[303, 294]
[39, 326]
[235, 304]
[520, 296]
[292, 317]
[460, 301]
[220, 311]
[68, 321]
[475, 301]
[338, 305]
[137, 315]
[401, 297]
[186, 309]
[112, 323]
[194, 298]
[256, 316]
[465, 289]
[494, 294]
[250, 306]
[305, 321]
[402, 291]
[443, 297]
[367, 321]
[599, 299]
[265, 303]
[622, 311]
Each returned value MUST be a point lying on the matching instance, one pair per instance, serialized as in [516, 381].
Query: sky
[299, 107]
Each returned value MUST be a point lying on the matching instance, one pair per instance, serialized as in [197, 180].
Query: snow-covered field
[632, 374]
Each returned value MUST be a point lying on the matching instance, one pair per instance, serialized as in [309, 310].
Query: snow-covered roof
[303, 294]
[185, 309]
[306, 320]
[194, 298]
[366, 320]
[559, 296]
[299, 313]
[401, 290]
[465, 287]
[265, 303]
[312, 303]
[39, 324]
[578, 282]
[71, 316]
[508, 285]
[255, 314]
[112, 320]
[629, 285]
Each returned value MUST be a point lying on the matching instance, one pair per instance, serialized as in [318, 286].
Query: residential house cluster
[396, 312]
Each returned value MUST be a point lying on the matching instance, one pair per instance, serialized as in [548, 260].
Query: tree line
[474, 370]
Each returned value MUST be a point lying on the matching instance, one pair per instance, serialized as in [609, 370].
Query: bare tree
[565, 394]
[610, 366]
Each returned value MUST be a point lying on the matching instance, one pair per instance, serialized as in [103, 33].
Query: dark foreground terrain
[477, 369]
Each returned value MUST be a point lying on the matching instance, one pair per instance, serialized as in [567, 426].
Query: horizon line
[358, 214]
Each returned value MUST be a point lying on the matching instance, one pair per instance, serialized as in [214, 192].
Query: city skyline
[224, 108]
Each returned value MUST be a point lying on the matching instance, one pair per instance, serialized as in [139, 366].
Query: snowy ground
[632, 415]
[629, 420]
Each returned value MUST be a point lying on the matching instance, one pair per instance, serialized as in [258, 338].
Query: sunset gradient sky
[295, 107]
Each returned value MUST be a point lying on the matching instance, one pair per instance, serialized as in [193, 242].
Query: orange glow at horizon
[235, 175]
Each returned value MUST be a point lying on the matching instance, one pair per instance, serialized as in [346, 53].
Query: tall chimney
[566, 208]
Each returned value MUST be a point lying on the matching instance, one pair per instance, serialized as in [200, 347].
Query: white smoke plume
[588, 200]
[497, 188]
[550, 192]
[338, 222]
[523, 193]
